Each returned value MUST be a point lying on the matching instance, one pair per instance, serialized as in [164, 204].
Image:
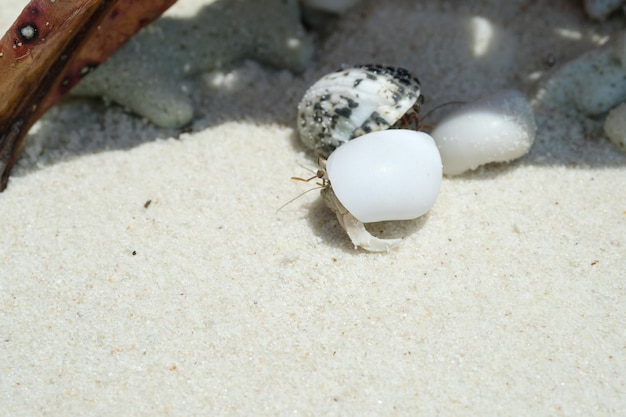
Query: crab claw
[361, 237]
[355, 229]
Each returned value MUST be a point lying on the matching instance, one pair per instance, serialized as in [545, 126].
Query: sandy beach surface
[145, 271]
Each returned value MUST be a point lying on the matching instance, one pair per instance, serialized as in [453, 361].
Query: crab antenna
[440, 106]
[299, 195]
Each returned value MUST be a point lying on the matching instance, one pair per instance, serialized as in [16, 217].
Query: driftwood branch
[49, 49]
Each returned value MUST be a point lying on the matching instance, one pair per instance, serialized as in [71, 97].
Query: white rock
[597, 82]
[497, 128]
[615, 126]
[592, 83]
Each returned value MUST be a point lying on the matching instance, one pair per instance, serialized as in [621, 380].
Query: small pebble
[615, 126]
[498, 128]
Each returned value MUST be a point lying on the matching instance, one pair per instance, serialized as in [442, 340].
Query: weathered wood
[47, 51]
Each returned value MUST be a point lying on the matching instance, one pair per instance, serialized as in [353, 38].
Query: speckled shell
[352, 102]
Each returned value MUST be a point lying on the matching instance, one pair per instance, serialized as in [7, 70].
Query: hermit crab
[380, 176]
[354, 101]
[379, 170]
[376, 169]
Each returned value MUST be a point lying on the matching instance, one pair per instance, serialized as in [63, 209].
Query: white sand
[509, 298]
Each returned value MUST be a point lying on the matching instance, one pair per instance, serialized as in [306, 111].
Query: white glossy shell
[498, 128]
[390, 175]
[354, 101]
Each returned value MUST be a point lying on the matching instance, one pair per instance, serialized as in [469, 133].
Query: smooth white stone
[497, 128]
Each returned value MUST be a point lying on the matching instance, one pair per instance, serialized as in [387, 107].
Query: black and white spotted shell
[352, 102]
